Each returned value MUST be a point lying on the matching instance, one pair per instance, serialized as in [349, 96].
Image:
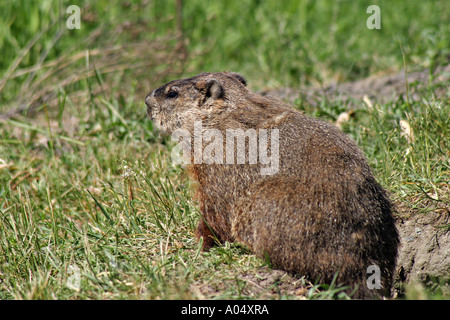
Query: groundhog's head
[181, 102]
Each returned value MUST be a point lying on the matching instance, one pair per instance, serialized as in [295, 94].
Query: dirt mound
[424, 254]
[377, 88]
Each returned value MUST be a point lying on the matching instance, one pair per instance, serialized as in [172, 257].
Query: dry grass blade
[141, 60]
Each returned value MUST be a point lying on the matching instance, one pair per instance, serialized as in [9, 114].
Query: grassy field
[91, 206]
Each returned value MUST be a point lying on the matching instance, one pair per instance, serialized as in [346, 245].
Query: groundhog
[314, 210]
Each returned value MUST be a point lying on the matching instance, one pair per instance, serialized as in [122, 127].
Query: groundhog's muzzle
[152, 104]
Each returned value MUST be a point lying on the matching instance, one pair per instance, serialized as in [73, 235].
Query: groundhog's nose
[148, 98]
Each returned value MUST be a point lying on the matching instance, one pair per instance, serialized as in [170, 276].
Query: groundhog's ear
[239, 77]
[214, 89]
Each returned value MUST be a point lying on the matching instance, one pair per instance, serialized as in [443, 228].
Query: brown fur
[320, 215]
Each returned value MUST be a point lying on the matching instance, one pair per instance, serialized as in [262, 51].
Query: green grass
[86, 183]
[272, 42]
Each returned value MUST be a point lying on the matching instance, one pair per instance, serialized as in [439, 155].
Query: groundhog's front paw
[204, 232]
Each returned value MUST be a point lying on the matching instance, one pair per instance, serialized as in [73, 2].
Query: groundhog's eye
[172, 94]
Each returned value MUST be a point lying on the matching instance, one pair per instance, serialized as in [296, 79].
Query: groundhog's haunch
[319, 214]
